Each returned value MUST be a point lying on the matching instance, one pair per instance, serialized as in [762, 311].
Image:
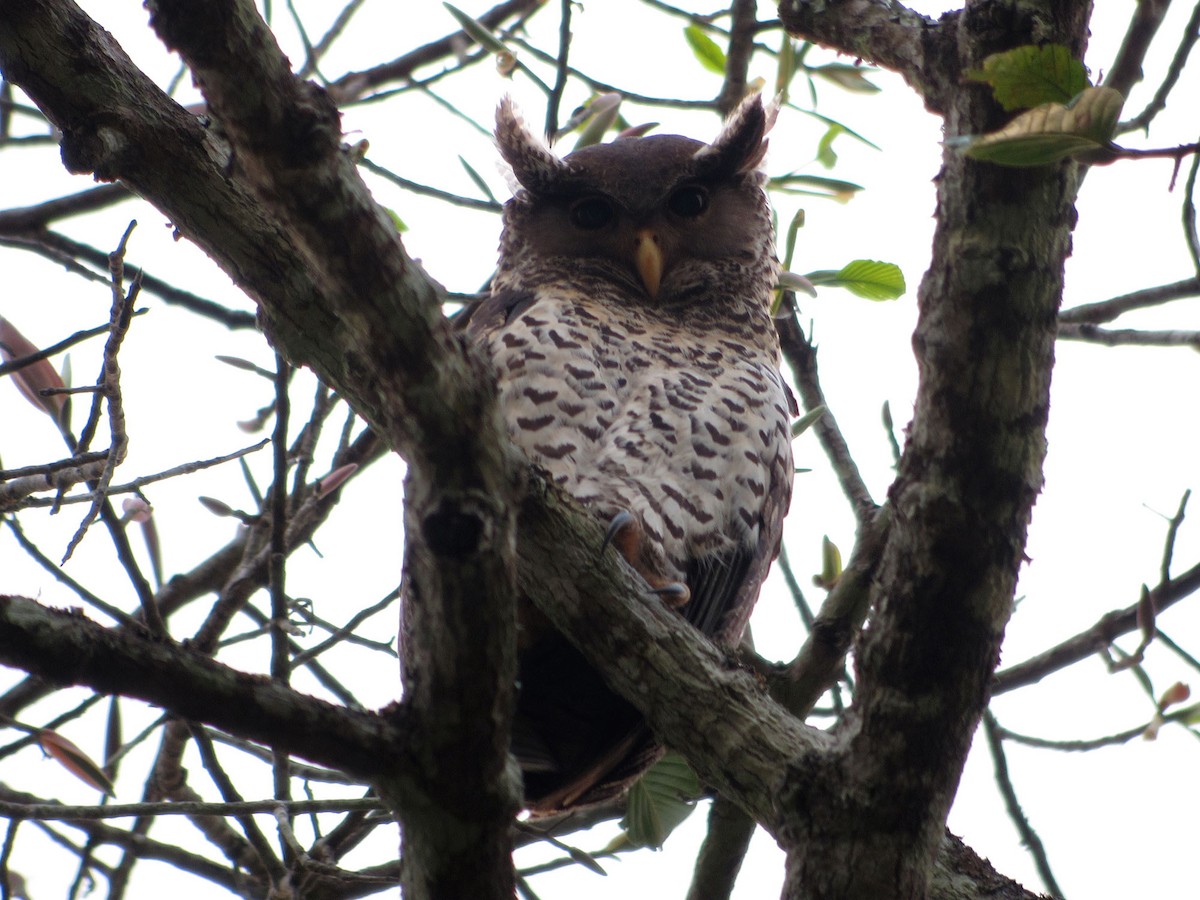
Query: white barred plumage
[630, 328]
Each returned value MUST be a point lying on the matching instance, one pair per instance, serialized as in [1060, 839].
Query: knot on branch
[455, 529]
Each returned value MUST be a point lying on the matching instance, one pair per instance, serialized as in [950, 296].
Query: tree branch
[1107, 310]
[1092, 640]
[883, 32]
[66, 648]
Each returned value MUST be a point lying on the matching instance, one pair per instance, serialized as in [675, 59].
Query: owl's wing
[725, 586]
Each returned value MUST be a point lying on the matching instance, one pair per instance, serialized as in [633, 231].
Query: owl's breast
[688, 431]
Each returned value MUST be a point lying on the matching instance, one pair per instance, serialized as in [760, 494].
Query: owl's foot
[626, 534]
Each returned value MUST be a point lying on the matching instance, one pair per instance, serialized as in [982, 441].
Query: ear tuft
[536, 168]
[741, 145]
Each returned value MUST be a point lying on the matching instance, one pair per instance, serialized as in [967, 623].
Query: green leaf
[476, 31]
[786, 70]
[705, 48]
[815, 186]
[602, 112]
[1053, 131]
[1030, 76]
[793, 231]
[825, 154]
[849, 132]
[659, 801]
[850, 78]
[864, 277]
[396, 220]
[1189, 715]
[831, 565]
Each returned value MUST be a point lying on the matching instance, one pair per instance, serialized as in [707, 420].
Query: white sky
[1123, 436]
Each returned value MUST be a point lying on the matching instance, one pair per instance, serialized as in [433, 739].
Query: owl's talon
[674, 594]
[624, 533]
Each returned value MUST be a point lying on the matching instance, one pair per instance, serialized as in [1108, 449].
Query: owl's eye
[688, 201]
[591, 213]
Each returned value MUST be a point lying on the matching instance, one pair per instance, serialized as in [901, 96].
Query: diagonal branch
[882, 32]
[66, 648]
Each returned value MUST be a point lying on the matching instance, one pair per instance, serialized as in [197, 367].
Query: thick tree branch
[280, 207]
[883, 32]
[66, 648]
[284, 212]
[702, 703]
[970, 471]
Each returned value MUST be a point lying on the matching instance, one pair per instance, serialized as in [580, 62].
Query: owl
[630, 328]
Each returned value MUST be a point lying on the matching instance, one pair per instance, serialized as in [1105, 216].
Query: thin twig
[427, 191]
[1128, 337]
[346, 631]
[229, 794]
[321, 47]
[1029, 837]
[356, 84]
[22, 219]
[1172, 532]
[1092, 640]
[1076, 746]
[1107, 310]
[737, 58]
[801, 355]
[1126, 69]
[140, 482]
[561, 69]
[64, 251]
[1159, 101]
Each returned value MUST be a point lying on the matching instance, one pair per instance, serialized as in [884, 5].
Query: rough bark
[875, 808]
[273, 198]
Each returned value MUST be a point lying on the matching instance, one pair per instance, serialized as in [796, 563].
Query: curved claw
[674, 594]
[626, 534]
[624, 521]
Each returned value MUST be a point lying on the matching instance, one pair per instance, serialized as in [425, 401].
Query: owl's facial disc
[648, 260]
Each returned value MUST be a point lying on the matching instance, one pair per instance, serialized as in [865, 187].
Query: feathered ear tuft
[742, 144]
[536, 168]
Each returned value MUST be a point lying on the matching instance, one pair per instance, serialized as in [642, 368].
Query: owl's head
[664, 217]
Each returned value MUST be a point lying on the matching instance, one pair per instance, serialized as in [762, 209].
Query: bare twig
[140, 482]
[1029, 837]
[802, 357]
[1107, 310]
[254, 836]
[561, 69]
[23, 219]
[427, 191]
[737, 58]
[1126, 69]
[1172, 532]
[66, 252]
[355, 84]
[1159, 101]
[1110, 626]
[1076, 746]
[1128, 337]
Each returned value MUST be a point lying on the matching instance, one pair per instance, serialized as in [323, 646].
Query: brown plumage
[630, 328]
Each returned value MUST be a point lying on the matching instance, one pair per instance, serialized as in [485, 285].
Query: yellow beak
[648, 258]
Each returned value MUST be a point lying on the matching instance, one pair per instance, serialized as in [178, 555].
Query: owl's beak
[648, 258]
